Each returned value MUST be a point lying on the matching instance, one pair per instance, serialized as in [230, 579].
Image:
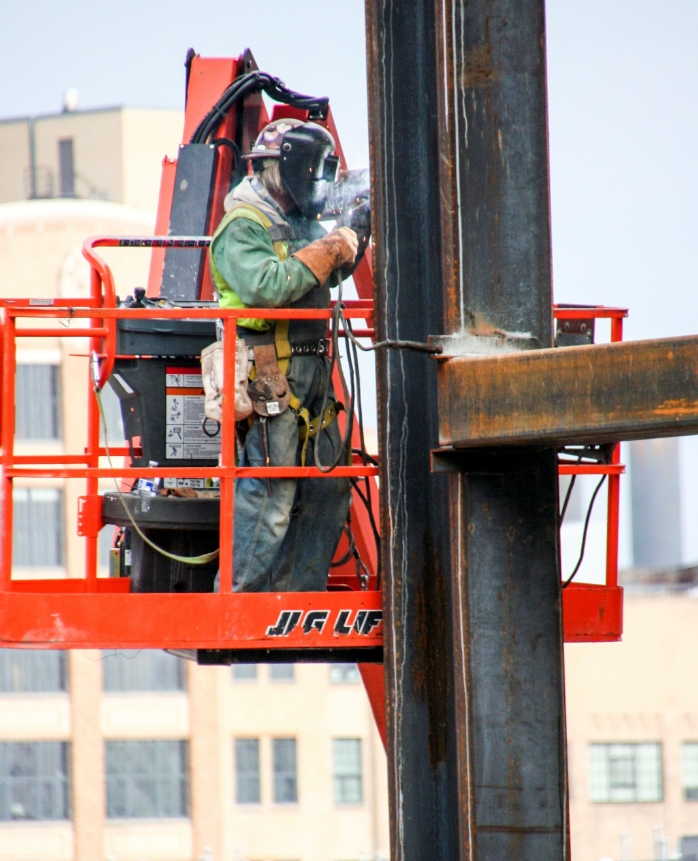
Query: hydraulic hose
[254, 82]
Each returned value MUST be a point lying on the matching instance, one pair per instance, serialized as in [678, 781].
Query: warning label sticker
[185, 438]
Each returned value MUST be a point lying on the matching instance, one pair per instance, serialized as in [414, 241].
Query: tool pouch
[212, 379]
[269, 392]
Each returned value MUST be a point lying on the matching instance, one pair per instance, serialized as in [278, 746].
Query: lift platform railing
[97, 612]
[100, 612]
[591, 612]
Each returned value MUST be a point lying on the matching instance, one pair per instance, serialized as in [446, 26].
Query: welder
[270, 251]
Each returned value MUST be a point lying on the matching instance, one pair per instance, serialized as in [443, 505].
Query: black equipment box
[185, 527]
[160, 391]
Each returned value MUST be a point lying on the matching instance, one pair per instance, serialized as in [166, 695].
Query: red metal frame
[97, 613]
[94, 612]
[594, 613]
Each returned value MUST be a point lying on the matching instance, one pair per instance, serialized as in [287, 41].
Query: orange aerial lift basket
[342, 624]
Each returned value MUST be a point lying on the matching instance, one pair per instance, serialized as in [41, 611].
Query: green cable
[204, 559]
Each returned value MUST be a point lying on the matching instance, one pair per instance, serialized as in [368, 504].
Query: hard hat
[268, 143]
[307, 163]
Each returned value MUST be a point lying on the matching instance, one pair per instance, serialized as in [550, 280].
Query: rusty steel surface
[473, 646]
[415, 538]
[472, 596]
[594, 394]
[506, 581]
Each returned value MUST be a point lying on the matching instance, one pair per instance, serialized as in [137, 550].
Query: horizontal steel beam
[595, 394]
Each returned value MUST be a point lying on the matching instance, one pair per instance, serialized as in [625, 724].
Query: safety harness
[268, 388]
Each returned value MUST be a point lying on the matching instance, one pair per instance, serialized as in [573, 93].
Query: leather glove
[331, 252]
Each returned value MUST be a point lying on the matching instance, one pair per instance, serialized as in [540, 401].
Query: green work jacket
[252, 264]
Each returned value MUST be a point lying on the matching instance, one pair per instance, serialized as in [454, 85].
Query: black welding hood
[308, 166]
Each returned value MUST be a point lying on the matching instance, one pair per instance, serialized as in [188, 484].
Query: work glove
[331, 252]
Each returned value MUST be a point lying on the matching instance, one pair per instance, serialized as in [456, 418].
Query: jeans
[287, 530]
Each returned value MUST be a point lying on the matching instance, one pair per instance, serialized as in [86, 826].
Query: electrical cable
[368, 458]
[584, 533]
[236, 172]
[352, 395]
[567, 499]
[365, 457]
[348, 395]
[392, 344]
[204, 558]
[346, 529]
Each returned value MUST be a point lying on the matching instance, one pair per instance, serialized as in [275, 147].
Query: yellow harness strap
[312, 427]
[282, 344]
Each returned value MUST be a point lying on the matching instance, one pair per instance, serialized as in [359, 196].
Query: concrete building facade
[109, 154]
[632, 728]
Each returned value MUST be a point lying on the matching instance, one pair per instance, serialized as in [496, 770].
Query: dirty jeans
[287, 530]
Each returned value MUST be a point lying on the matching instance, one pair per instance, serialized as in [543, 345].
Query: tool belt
[268, 388]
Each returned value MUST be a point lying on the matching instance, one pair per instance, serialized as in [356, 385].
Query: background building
[106, 154]
[632, 724]
[133, 756]
[655, 487]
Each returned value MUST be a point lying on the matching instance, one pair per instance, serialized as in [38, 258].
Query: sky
[623, 113]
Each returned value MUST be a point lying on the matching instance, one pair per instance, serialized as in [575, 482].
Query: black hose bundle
[254, 82]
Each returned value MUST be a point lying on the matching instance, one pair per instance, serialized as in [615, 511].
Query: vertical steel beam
[415, 539]
[497, 278]
[476, 735]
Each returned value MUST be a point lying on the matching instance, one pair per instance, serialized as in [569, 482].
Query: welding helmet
[307, 164]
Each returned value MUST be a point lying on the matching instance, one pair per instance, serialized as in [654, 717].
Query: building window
[34, 780]
[142, 670]
[344, 674]
[689, 770]
[147, 779]
[247, 783]
[285, 776]
[244, 672]
[32, 671]
[346, 770]
[38, 412]
[689, 848]
[38, 527]
[66, 167]
[625, 773]
[281, 672]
